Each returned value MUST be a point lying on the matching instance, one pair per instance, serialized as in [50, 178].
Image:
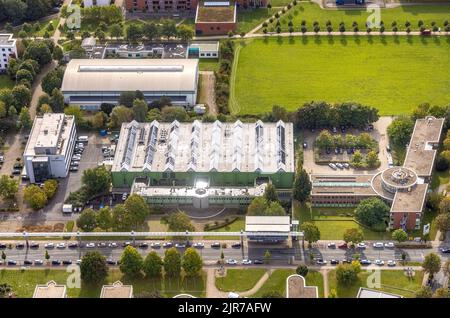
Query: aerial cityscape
[253, 149]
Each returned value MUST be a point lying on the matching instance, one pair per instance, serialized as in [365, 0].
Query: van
[67, 208]
[83, 139]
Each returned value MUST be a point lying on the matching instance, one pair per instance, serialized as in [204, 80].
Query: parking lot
[378, 133]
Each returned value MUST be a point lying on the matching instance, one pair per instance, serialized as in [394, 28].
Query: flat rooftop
[216, 14]
[420, 155]
[205, 45]
[296, 288]
[410, 201]
[267, 224]
[342, 185]
[118, 75]
[50, 290]
[117, 290]
[7, 39]
[50, 130]
[205, 147]
[373, 293]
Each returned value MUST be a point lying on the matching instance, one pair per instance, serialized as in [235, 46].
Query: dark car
[16, 171]
[67, 262]
[27, 262]
[236, 245]
[111, 262]
[12, 263]
[346, 261]
[334, 262]
[143, 245]
[34, 245]
[125, 244]
[2, 245]
[258, 262]
[342, 246]
[56, 262]
[215, 245]
[72, 245]
[20, 245]
[365, 262]
[445, 250]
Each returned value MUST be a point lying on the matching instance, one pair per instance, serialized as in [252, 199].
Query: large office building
[8, 50]
[91, 82]
[404, 188]
[203, 164]
[50, 147]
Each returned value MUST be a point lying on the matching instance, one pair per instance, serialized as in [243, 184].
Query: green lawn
[236, 226]
[277, 282]
[392, 281]
[392, 73]
[208, 64]
[439, 178]
[24, 282]
[239, 279]
[249, 19]
[311, 12]
[333, 222]
[5, 81]
[279, 3]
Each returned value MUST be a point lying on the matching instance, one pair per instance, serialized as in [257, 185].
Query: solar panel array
[259, 144]
[172, 147]
[281, 146]
[131, 138]
[214, 156]
[151, 147]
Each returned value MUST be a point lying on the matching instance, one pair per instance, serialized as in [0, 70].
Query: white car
[339, 165]
[321, 262]
[389, 245]
[198, 245]
[61, 245]
[346, 165]
[332, 166]
[180, 245]
[391, 263]
[361, 245]
[38, 262]
[49, 245]
[78, 262]
[112, 245]
[90, 245]
[331, 245]
[155, 245]
[246, 262]
[379, 262]
[378, 245]
[231, 262]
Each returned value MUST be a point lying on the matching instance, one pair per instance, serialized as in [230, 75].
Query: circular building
[398, 178]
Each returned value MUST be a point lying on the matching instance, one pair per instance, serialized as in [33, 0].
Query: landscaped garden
[23, 283]
[391, 73]
[392, 281]
[311, 12]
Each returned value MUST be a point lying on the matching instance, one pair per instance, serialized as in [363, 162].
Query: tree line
[18, 11]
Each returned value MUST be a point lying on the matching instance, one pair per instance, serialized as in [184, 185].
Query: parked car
[334, 130]
[74, 163]
[389, 245]
[246, 262]
[16, 171]
[215, 245]
[445, 250]
[321, 262]
[38, 262]
[180, 245]
[198, 245]
[167, 245]
[67, 262]
[378, 245]
[365, 262]
[346, 165]
[379, 262]
[61, 245]
[27, 262]
[125, 244]
[347, 261]
[305, 145]
[343, 246]
[339, 165]
[334, 262]
[102, 245]
[12, 262]
[331, 245]
[391, 263]
[34, 245]
[332, 166]
[111, 262]
[72, 245]
[258, 262]
[49, 245]
[78, 262]
[143, 245]
[56, 262]
[90, 245]
[20, 245]
[112, 245]
[361, 245]
[231, 262]
[236, 245]
[155, 245]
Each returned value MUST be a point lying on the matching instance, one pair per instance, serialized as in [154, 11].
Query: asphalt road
[279, 255]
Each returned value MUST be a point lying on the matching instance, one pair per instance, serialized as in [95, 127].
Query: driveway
[379, 133]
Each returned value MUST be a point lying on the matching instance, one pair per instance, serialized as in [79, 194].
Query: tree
[35, 197]
[76, 112]
[87, 221]
[400, 130]
[116, 31]
[140, 110]
[260, 207]
[8, 187]
[267, 257]
[274, 209]
[3, 110]
[133, 33]
[98, 120]
[5, 290]
[24, 118]
[21, 96]
[302, 270]
[50, 187]
[171, 113]
[46, 255]
[127, 98]
[185, 33]
[24, 75]
[150, 31]
[121, 220]
[192, 262]
[311, 232]
[137, 209]
[58, 53]
[443, 222]
[119, 115]
[431, 264]
[346, 274]
[168, 29]
[324, 140]
[38, 51]
[57, 101]
[152, 265]
[442, 293]
[371, 211]
[353, 236]
[104, 218]
[93, 268]
[270, 193]
[96, 180]
[372, 159]
[399, 235]
[51, 81]
[179, 222]
[12, 113]
[424, 292]
[131, 262]
[444, 206]
[172, 262]
[302, 186]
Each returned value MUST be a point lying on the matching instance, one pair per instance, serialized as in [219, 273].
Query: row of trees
[94, 270]
[152, 31]
[326, 140]
[16, 11]
[222, 85]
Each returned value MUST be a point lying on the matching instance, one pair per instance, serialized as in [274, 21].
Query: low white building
[204, 49]
[100, 3]
[50, 147]
[8, 50]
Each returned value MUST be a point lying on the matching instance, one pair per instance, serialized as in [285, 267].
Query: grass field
[24, 282]
[5, 81]
[311, 12]
[239, 279]
[277, 282]
[208, 64]
[236, 226]
[249, 19]
[391, 281]
[394, 74]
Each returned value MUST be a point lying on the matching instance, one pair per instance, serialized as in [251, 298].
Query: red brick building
[215, 20]
[161, 5]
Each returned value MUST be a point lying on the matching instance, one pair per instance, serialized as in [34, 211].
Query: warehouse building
[203, 164]
[91, 82]
[50, 146]
[403, 188]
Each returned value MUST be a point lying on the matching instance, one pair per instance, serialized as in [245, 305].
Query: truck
[67, 208]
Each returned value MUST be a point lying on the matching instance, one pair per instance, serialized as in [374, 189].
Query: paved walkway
[258, 285]
[207, 91]
[326, 288]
